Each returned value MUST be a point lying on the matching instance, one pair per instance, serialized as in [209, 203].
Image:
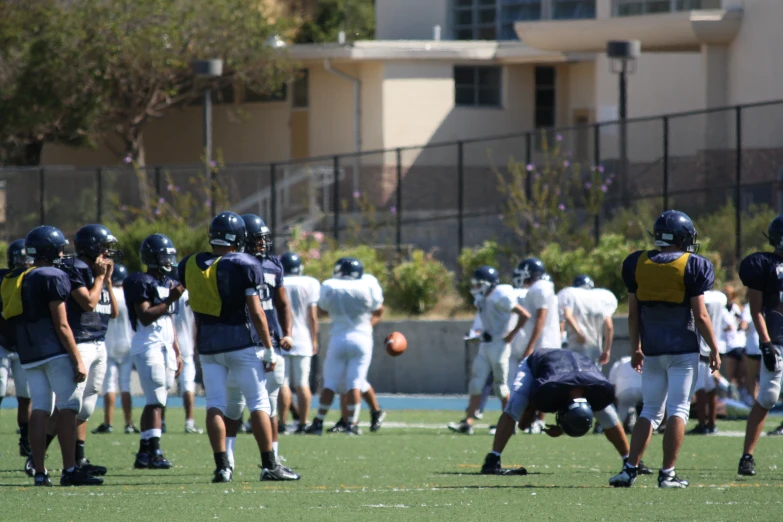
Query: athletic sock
[275, 446]
[230, 444]
[221, 460]
[268, 460]
[79, 450]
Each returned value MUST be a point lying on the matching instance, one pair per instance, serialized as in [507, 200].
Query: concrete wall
[411, 19]
[435, 361]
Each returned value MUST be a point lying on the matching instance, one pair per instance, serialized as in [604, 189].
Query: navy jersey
[556, 372]
[6, 330]
[273, 279]
[36, 338]
[141, 287]
[763, 271]
[664, 284]
[218, 299]
[87, 326]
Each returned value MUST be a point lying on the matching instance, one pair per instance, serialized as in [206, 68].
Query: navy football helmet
[158, 253]
[484, 279]
[93, 240]
[576, 419]
[583, 281]
[16, 255]
[675, 228]
[775, 233]
[227, 229]
[46, 243]
[119, 274]
[292, 264]
[528, 271]
[348, 268]
[259, 239]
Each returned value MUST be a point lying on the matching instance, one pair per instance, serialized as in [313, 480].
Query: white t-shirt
[303, 294]
[541, 295]
[624, 377]
[590, 308]
[751, 335]
[160, 332]
[119, 334]
[350, 304]
[715, 302]
[184, 322]
[734, 338]
[519, 344]
[495, 311]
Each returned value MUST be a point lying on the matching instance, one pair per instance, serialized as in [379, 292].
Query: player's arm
[284, 316]
[522, 317]
[756, 300]
[703, 323]
[65, 335]
[637, 357]
[312, 325]
[258, 319]
[115, 306]
[608, 338]
[86, 298]
[538, 328]
[568, 314]
[148, 314]
[376, 316]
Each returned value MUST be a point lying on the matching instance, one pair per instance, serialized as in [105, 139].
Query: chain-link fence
[439, 197]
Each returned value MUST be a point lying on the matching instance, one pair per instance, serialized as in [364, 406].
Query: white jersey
[160, 332]
[350, 304]
[590, 308]
[715, 302]
[734, 338]
[119, 333]
[541, 295]
[184, 322]
[624, 377]
[751, 336]
[303, 293]
[495, 311]
[519, 344]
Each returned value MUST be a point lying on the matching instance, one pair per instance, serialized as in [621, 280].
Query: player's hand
[100, 267]
[637, 360]
[286, 343]
[315, 348]
[580, 338]
[80, 371]
[176, 292]
[269, 359]
[714, 361]
[509, 337]
[604, 358]
[179, 365]
[553, 430]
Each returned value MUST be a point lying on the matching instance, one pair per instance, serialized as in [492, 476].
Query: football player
[543, 330]
[90, 307]
[562, 382]
[17, 257]
[150, 297]
[706, 387]
[184, 323]
[274, 302]
[627, 384]
[355, 305]
[232, 336]
[48, 352]
[762, 273]
[303, 292]
[587, 313]
[666, 314]
[502, 317]
[119, 365]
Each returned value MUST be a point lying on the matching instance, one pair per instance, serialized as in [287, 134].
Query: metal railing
[441, 196]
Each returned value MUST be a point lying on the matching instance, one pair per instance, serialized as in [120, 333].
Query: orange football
[396, 343]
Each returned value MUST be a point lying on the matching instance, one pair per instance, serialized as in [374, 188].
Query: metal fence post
[399, 201]
[460, 197]
[528, 161]
[738, 187]
[158, 181]
[273, 202]
[336, 197]
[597, 160]
[42, 195]
[665, 163]
[99, 189]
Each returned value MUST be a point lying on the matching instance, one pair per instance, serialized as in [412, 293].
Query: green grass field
[413, 473]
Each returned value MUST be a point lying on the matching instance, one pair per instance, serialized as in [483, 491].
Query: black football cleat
[97, 471]
[641, 469]
[42, 479]
[160, 462]
[142, 460]
[29, 467]
[316, 428]
[24, 447]
[747, 466]
[79, 477]
[279, 473]
[103, 428]
[338, 427]
[223, 475]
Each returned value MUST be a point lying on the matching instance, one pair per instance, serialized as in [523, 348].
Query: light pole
[622, 58]
[208, 70]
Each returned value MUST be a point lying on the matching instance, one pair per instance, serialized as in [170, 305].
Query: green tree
[355, 17]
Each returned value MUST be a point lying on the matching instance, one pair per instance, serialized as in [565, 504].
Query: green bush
[416, 286]
[3, 250]
[472, 258]
[131, 235]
